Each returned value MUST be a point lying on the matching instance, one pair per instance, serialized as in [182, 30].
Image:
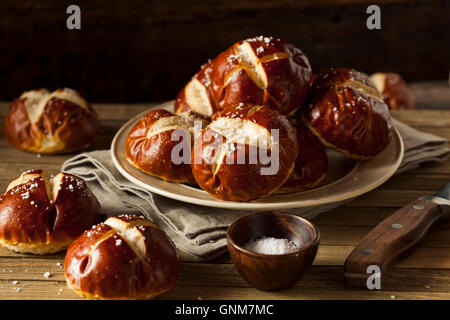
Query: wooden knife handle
[390, 239]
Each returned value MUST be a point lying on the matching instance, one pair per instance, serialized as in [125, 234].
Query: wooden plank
[352, 235]
[417, 118]
[422, 257]
[210, 293]
[432, 168]
[425, 274]
[223, 282]
[388, 198]
[317, 278]
[334, 255]
[36, 290]
[150, 66]
[105, 111]
[406, 181]
[432, 95]
[430, 118]
[25, 267]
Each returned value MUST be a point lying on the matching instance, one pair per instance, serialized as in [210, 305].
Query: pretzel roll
[57, 122]
[41, 216]
[245, 153]
[157, 143]
[346, 112]
[263, 71]
[126, 257]
[196, 96]
[396, 93]
[311, 164]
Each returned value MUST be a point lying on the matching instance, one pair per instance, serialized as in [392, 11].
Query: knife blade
[395, 236]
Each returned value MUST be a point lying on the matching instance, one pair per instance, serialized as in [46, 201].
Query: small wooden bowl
[272, 271]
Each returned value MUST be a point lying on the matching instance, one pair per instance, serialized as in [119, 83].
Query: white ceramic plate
[345, 178]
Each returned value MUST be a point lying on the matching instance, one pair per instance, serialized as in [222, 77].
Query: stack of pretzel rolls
[260, 94]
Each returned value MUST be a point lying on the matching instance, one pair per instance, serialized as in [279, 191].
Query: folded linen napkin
[201, 231]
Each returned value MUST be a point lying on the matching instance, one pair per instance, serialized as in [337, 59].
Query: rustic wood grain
[132, 50]
[425, 274]
[389, 245]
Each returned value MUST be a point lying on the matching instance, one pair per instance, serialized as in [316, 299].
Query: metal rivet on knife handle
[411, 223]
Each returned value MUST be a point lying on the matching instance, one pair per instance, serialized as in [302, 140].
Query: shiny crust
[236, 181]
[311, 164]
[36, 217]
[153, 155]
[62, 126]
[105, 264]
[286, 69]
[184, 103]
[346, 112]
[396, 93]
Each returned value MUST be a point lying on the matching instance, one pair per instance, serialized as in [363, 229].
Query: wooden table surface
[425, 274]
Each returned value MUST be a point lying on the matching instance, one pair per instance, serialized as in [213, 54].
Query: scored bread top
[346, 112]
[237, 150]
[262, 70]
[150, 143]
[36, 100]
[126, 257]
[37, 210]
[51, 122]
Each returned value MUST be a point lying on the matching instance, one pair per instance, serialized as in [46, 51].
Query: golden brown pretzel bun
[43, 216]
[196, 96]
[126, 257]
[222, 157]
[263, 71]
[149, 144]
[57, 122]
[394, 90]
[311, 164]
[347, 113]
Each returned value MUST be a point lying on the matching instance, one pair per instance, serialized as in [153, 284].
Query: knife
[392, 238]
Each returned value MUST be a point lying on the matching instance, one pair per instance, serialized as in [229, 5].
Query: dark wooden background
[138, 50]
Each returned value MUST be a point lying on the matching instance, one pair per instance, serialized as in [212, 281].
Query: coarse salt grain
[47, 274]
[269, 245]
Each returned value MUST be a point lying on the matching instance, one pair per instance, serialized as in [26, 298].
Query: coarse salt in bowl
[272, 250]
[270, 245]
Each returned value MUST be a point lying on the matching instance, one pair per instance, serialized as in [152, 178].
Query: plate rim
[253, 206]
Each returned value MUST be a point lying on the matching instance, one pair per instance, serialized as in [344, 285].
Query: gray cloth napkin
[201, 231]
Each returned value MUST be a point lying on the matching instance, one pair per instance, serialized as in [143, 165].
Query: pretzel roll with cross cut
[394, 90]
[264, 71]
[40, 215]
[47, 122]
[246, 152]
[346, 112]
[126, 257]
[150, 145]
